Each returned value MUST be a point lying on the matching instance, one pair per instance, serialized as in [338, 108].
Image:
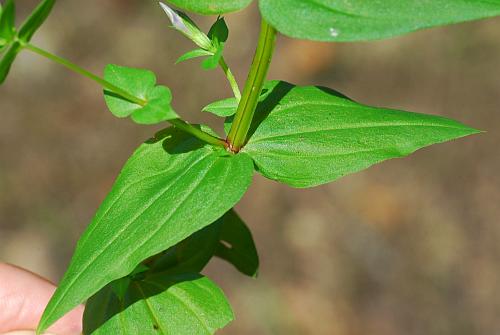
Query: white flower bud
[187, 27]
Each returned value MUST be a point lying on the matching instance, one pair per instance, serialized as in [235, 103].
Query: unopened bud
[187, 27]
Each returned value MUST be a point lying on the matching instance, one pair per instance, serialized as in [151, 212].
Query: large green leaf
[142, 84]
[186, 304]
[170, 188]
[209, 7]
[35, 20]
[354, 20]
[313, 135]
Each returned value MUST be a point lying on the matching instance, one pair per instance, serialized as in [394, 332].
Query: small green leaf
[7, 60]
[213, 61]
[219, 31]
[142, 84]
[236, 245]
[187, 304]
[193, 54]
[223, 108]
[307, 136]
[228, 107]
[35, 20]
[173, 186]
[211, 7]
[355, 20]
[8, 21]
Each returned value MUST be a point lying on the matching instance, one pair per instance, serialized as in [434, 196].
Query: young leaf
[219, 32]
[311, 135]
[223, 108]
[8, 21]
[189, 304]
[227, 107]
[213, 61]
[7, 60]
[35, 20]
[193, 54]
[142, 84]
[173, 186]
[211, 7]
[237, 246]
[355, 20]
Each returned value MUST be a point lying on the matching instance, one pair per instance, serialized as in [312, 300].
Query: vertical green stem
[230, 78]
[253, 88]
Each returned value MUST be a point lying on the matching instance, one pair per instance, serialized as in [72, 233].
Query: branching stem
[178, 123]
[230, 78]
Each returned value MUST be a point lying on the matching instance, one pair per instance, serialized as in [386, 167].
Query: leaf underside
[154, 204]
[187, 304]
[308, 136]
[357, 20]
[167, 295]
[211, 7]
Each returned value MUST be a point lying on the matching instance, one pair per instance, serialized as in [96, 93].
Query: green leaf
[355, 20]
[211, 7]
[35, 20]
[237, 245]
[173, 186]
[142, 84]
[307, 136]
[219, 32]
[7, 60]
[8, 21]
[190, 255]
[193, 54]
[212, 62]
[188, 304]
[228, 107]
[223, 108]
[228, 238]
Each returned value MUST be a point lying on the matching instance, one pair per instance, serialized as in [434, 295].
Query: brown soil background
[411, 246]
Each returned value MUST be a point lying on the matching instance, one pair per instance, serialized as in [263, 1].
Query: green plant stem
[230, 78]
[178, 123]
[75, 68]
[253, 87]
[200, 134]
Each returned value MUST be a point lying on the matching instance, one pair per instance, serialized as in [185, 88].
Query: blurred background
[411, 246]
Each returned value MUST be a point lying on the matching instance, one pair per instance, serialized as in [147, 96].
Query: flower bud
[187, 27]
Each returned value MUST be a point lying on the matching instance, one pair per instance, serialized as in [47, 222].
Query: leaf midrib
[353, 126]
